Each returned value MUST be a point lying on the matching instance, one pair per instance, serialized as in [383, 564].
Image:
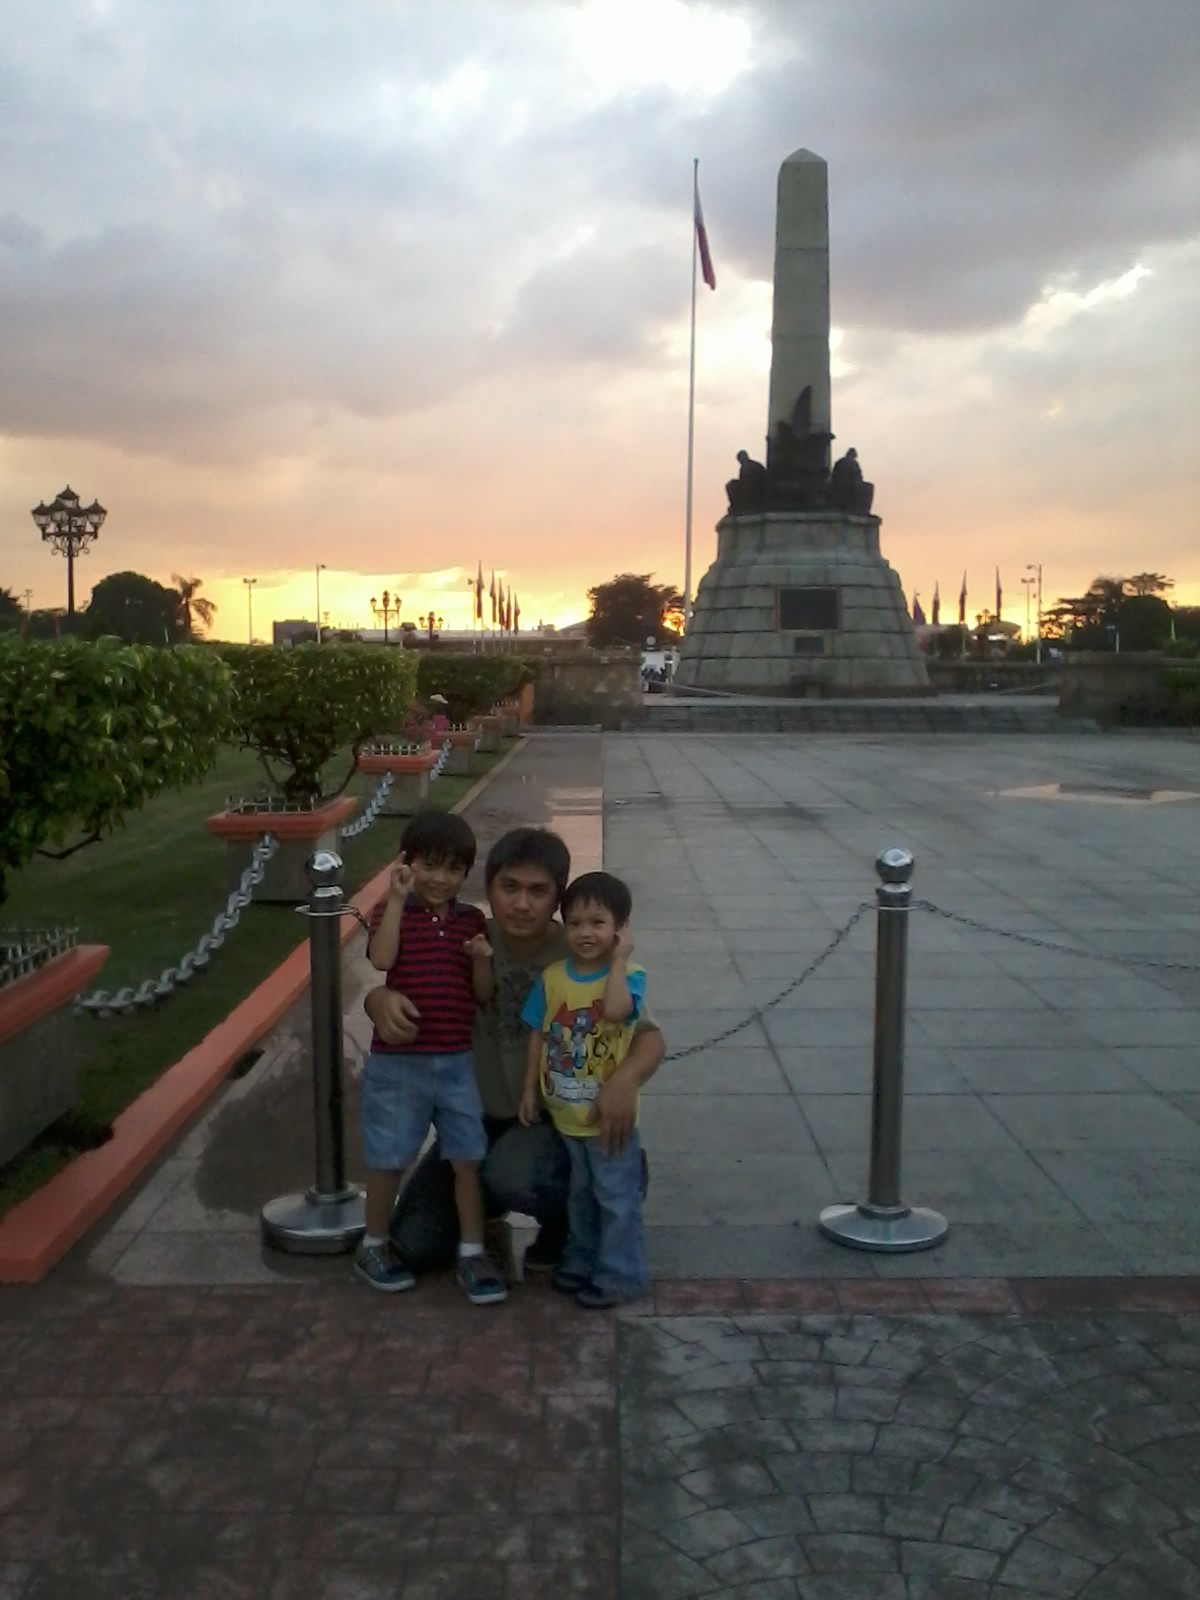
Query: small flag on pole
[937, 607]
[999, 596]
[962, 603]
[516, 615]
[706, 266]
[479, 594]
[492, 596]
[918, 611]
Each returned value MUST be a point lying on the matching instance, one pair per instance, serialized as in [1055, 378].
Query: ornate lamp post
[385, 608]
[435, 624]
[70, 529]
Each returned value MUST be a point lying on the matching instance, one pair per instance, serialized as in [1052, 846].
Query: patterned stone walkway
[912, 1455]
[769, 1441]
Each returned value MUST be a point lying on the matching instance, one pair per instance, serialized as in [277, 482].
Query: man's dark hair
[437, 837]
[530, 847]
[599, 889]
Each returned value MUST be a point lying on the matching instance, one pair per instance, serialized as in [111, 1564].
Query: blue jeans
[605, 1242]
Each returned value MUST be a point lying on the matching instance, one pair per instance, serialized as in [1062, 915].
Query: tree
[12, 612]
[629, 608]
[134, 608]
[1149, 583]
[195, 612]
[1143, 621]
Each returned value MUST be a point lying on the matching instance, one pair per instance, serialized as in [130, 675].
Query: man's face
[523, 900]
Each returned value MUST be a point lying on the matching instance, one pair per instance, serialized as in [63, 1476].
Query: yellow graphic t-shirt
[580, 1049]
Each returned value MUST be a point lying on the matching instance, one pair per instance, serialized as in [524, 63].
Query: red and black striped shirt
[434, 970]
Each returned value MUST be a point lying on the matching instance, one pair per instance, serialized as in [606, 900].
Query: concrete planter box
[285, 881]
[461, 763]
[37, 1058]
[410, 778]
[490, 734]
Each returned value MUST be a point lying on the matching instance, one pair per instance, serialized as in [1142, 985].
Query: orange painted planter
[525, 699]
[401, 765]
[34, 997]
[239, 826]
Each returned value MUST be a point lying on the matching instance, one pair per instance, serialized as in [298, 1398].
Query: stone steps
[849, 716]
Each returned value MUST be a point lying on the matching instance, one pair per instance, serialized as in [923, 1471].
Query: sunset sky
[400, 286]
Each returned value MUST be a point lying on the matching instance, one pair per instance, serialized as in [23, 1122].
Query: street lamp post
[1027, 584]
[386, 607]
[250, 582]
[1036, 567]
[320, 570]
[70, 528]
[435, 624]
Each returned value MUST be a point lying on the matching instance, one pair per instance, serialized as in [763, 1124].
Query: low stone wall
[1114, 688]
[976, 677]
[589, 686]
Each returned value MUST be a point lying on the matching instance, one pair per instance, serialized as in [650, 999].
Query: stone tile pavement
[1053, 1100]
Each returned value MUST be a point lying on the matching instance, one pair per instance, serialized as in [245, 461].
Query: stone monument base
[801, 603]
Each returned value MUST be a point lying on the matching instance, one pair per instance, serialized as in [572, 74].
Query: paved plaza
[183, 1415]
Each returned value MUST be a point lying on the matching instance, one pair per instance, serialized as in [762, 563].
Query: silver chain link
[1048, 944]
[102, 1004]
[374, 807]
[839, 937]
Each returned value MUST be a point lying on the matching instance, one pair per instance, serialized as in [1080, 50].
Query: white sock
[467, 1251]
[370, 1239]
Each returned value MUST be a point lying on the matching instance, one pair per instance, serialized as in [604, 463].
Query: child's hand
[478, 948]
[401, 881]
[528, 1114]
[623, 948]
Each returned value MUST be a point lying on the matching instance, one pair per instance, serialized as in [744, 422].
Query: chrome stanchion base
[313, 1224]
[890, 1229]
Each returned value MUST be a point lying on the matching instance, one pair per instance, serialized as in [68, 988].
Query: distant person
[435, 951]
[581, 1014]
[527, 1167]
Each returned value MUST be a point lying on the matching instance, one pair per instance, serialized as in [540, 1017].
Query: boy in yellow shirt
[582, 1013]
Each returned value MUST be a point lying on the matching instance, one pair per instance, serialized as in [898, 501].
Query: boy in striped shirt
[436, 951]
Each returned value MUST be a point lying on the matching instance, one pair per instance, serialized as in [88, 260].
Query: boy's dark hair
[530, 847]
[437, 837]
[599, 889]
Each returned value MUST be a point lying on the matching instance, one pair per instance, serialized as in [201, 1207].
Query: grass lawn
[149, 891]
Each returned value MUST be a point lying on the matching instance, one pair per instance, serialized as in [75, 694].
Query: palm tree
[195, 612]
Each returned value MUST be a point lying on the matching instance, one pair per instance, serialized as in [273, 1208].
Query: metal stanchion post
[883, 1221]
[328, 1218]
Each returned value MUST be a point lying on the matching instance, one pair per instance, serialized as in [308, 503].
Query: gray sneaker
[483, 1284]
[382, 1268]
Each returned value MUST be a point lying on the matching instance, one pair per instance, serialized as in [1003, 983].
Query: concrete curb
[37, 1233]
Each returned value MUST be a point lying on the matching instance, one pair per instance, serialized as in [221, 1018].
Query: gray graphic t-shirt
[500, 1035]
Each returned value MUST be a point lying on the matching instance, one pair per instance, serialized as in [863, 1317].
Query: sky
[401, 288]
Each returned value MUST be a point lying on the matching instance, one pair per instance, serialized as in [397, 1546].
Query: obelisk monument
[799, 600]
[800, 310]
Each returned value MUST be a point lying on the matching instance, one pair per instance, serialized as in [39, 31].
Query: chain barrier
[102, 1004]
[374, 807]
[839, 938]
[1048, 944]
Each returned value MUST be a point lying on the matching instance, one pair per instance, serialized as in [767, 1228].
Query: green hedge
[298, 708]
[1183, 696]
[470, 685]
[91, 730]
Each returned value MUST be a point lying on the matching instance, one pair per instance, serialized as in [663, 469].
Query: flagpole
[691, 431]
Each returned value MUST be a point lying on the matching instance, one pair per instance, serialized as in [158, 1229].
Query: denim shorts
[403, 1094]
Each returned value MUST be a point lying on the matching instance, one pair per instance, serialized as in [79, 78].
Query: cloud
[283, 265]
